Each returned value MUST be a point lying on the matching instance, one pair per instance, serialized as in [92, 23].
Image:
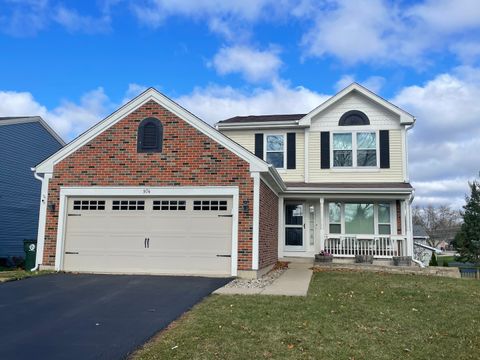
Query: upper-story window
[355, 149]
[275, 150]
[150, 136]
[354, 118]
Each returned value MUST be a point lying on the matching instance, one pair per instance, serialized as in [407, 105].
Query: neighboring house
[154, 189]
[24, 141]
[420, 234]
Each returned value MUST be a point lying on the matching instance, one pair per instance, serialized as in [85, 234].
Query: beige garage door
[149, 235]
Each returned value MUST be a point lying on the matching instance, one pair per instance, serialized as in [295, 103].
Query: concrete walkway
[293, 282]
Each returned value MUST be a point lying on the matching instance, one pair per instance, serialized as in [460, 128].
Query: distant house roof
[12, 120]
[262, 118]
[419, 232]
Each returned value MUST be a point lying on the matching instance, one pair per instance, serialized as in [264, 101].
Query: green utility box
[30, 248]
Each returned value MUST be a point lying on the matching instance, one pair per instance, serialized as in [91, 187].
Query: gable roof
[419, 231]
[405, 117]
[256, 164]
[13, 120]
[261, 118]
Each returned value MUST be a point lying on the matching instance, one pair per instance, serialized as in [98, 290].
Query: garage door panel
[184, 238]
[181, 264]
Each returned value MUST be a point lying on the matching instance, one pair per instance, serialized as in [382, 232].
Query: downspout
[39, 178]
[412, 196]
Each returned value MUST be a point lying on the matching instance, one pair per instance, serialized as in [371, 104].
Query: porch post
[281, 227]
[408, 226]
[322, 224]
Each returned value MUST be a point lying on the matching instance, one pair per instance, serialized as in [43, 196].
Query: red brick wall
[189, 158]
[268, 227]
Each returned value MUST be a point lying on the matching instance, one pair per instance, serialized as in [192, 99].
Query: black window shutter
[259, 145]
[325, 150]
[291, 151]
[384, 149]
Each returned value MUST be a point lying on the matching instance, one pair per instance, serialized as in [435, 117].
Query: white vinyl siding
[246, 138]
[377, 114]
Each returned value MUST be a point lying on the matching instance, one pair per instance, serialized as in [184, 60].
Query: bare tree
[441, 223]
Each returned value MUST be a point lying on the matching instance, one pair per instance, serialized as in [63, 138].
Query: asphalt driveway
[70, 316]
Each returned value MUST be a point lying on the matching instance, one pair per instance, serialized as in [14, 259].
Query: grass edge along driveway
[346, 315]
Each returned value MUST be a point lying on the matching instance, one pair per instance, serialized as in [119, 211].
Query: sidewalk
[293, 282]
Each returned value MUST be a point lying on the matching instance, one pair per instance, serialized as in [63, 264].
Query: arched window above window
[354, 118]
[150, 136]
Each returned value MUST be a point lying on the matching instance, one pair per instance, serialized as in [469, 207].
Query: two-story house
[345, 170]
[154, 189]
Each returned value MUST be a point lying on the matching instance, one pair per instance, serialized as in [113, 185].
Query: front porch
[374, 226]
[380, 247]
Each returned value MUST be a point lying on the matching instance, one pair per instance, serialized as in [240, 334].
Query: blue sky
[73, 62]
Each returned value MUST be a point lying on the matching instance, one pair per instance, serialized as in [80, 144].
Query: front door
[294, 226]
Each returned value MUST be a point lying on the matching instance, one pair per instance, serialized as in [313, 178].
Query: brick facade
[189, 158]
[268, 227]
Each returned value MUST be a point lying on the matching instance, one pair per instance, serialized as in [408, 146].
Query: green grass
[443, 259]
[449, 259]
[19, 274]
[346, 315]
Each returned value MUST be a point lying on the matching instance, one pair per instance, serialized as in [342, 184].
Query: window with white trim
[342, 150]
[335, 218]
[275, 150]
[360, 218]
[384, 219]
[355, 149]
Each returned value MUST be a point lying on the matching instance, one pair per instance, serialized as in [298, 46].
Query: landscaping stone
[413, 270]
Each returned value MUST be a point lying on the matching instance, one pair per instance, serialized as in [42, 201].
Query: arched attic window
[354, 118]
[150, 136]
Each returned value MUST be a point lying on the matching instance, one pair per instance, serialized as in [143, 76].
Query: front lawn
[19, 274]
[346, 315]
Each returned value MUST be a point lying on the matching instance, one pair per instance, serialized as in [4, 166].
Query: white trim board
[256, 164]
[66, 192]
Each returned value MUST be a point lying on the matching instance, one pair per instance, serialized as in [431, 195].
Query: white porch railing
[381, 246]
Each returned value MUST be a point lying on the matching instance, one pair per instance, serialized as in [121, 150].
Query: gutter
[260, 125]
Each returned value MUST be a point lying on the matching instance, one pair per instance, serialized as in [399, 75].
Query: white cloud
[393, 32]
[446, 137]
[351, 31]
[254, 65]
[154, 12]
[23, 17]
[75, 22]
[133, 91]
[216, 103]
[230, 19]
[69, 119]
[447, 15]
[373, 83]
[28, 17]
